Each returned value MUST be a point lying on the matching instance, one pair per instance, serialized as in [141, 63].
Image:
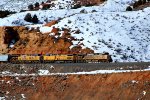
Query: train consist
[56, 58]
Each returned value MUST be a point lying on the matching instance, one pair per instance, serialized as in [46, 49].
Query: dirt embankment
[21, 40]
[123, 86]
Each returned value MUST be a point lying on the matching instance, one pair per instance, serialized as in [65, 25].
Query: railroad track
[71, 67]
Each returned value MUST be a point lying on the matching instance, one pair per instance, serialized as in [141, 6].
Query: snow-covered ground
[104, 28]
[17, 5]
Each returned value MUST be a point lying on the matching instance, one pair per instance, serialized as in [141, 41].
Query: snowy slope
[125, 35]
[17, 5]
[62, 4]
[109, 6]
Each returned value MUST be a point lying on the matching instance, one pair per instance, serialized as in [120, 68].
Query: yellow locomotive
[97, 58]
[60, 58]
[28, 58]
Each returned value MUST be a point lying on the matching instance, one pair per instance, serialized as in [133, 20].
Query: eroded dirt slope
[21, 40]
[123, 86]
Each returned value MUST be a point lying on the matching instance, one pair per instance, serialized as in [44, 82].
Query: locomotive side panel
[97, 58]
[28, 58]
[64, 58]
[49, 58]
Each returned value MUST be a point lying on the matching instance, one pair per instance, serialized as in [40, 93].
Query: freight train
[56, 58]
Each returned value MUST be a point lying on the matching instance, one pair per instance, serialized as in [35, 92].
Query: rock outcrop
[32, 41]
[3, 45]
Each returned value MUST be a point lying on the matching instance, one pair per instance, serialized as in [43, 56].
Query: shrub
[128, 8]
[35, 19]
[28, 17]
[140, 2]
[76, 6]
[83, 11]
[118, 50]
[36, 4]
[30, 7]
[94, 11]
[144, 1]
[5, 13]
[135, 5]
[42, 2]
[45, 7]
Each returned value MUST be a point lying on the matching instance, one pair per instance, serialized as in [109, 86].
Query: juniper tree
[28, 17]
[35, 19]
[30, 7]
[36, 4]
[128, 8]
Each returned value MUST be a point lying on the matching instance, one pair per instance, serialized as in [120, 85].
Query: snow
[125, 35]
[62, 4]
[2, 98]
[144, 92]
[43, 72]
[22, 95]
[128, 32]
[7, 92]
[6, 72]
[45, 29]
[17, 5]
[134, 81]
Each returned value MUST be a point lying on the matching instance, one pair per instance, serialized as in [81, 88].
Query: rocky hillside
[105, 27]
[20, 40]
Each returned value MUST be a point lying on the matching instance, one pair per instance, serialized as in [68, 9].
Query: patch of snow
[43, 72]
[52, 67]
[45, 29]
[2, 98]
[6, 73]
[144, 92]
[23, 96]
[17, 78]
[8, 82]
[133, 81]
[7, 92]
